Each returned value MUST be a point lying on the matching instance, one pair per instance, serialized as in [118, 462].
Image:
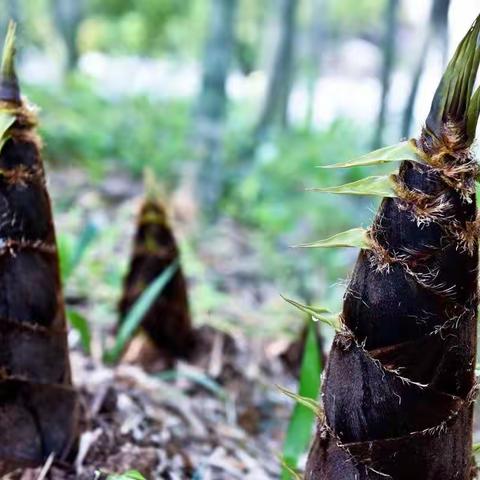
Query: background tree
[391, 27]
[68, 14]
[317, 38]
[212, 101]
[437, 29]
[12, 9]
[275, 107]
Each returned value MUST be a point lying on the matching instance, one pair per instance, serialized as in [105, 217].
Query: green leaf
[86, 238]
[6, 121]
[8, 57]
[135, 315]
[355, 237]
[80, 324]
[65, 254]
[299, 430]
[472, 115]
[383, 186]
[71, 252]
[395, 153]
[453, 95]
[130, 475]
[197, 377]
[321, 314]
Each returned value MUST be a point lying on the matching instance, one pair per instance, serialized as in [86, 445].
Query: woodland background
[232, 104]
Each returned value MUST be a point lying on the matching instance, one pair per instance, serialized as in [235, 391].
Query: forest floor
[196, 425]
[219, 417]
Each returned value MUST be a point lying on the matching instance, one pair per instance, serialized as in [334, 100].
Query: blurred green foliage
[79, 125]
[134, 26]
[285, 166]
[355, 16]
[269, 196]
[264, 192]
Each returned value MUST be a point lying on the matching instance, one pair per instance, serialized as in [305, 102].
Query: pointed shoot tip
[453, 96]
[153, 189]
[8, 57]
[9, 89]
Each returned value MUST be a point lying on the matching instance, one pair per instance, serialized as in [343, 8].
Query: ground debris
[192, 426]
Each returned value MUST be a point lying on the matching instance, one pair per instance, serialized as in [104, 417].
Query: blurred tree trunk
[12, 12]
[439, 16]
[316, 48]
[391, 22]
[212, 101]
[275, 107]
[68, 15]
[438, 27]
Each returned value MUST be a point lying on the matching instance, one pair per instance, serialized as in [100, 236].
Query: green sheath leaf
[472, 115]
[9, 89]
[321, 314]
[308, 402]
[288, 470]
[355, 237]
[394, 153]
[80, 324]
[8, 57]
[6, 121]
[382, 186]
[453, 95]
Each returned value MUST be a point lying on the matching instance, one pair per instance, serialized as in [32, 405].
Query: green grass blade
[302, 420]
[65, 250]
[87, 236]
[79, 323]
[71, 253]
[130, 475]
[134, 317]
[383, 186]
[199, 378]
[395, 153]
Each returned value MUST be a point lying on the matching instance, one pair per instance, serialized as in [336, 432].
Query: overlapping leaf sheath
[38, 407]
[167, 322]
[399, 387]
